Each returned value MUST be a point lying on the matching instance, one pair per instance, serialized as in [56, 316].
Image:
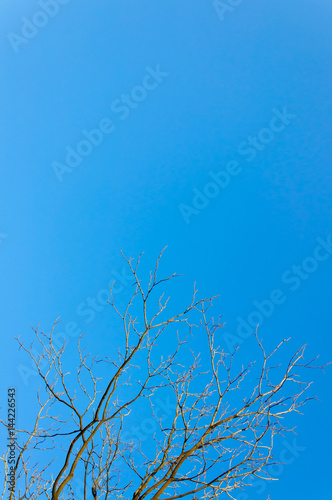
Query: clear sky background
[223, 81]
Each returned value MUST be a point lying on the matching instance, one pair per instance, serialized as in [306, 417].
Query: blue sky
[197, 89]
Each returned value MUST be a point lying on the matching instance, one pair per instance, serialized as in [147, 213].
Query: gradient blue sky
[61, 241]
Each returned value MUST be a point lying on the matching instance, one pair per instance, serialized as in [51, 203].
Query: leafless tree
[221, 431]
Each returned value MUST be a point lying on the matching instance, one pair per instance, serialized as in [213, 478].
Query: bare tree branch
[218, 436]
